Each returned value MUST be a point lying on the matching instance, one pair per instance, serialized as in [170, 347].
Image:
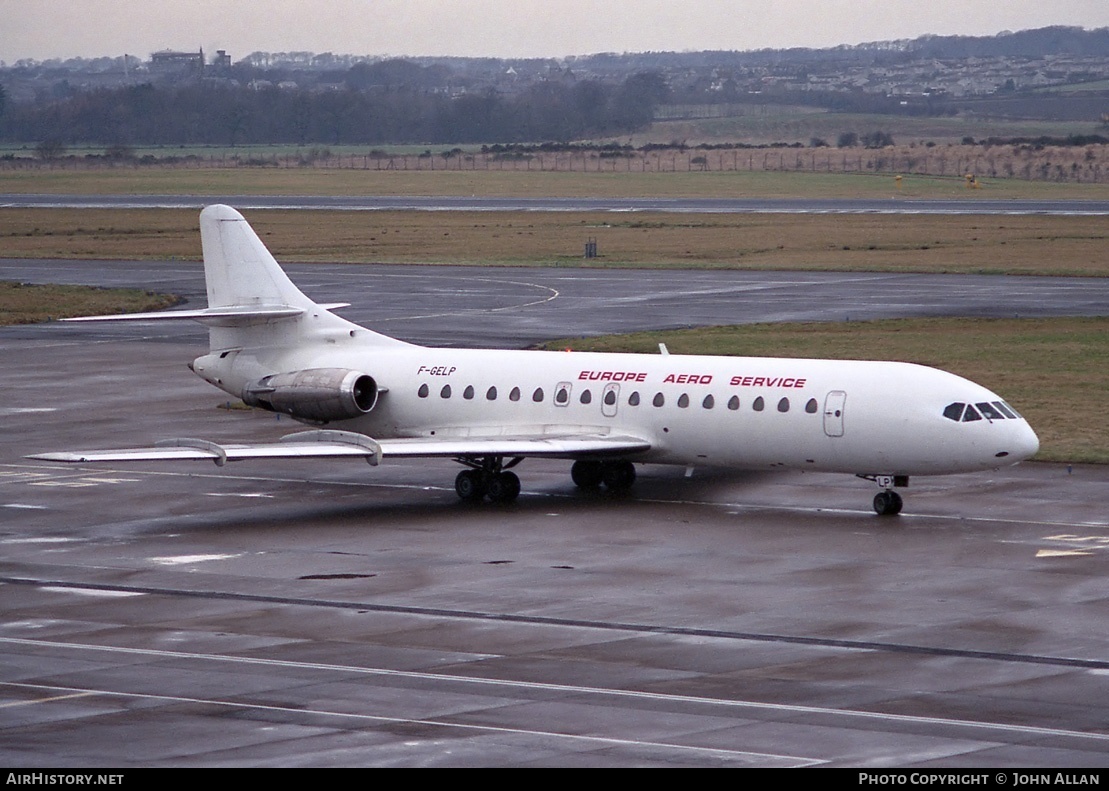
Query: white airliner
[374, 397]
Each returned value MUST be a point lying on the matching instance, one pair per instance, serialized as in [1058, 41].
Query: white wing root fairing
[378, 398]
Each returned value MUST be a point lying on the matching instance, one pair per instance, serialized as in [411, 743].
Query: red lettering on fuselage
[613, 376]
[767, 381]
[689, 379]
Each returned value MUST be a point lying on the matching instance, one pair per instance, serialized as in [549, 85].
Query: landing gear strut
[888, 502]
[617, 475]
[487, 477]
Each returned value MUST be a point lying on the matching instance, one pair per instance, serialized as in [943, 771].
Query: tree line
[222, 113]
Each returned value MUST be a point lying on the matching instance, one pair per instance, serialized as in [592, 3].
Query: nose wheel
[887, 503]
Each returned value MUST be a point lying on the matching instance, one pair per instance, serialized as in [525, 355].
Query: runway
[519, 307]
[547, 204]
[337, 614]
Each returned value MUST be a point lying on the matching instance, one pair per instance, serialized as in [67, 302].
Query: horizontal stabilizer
[230, 316]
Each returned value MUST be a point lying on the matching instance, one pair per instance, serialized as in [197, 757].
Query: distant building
[169, 60]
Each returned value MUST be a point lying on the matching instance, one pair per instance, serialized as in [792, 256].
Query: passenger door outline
[833, 413]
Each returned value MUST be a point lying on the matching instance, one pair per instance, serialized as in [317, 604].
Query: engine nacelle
[319, 395]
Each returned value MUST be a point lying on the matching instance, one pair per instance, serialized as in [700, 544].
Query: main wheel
[469, 486]
[887, 503]
[587, 474]
[618, 475]
[504, 488]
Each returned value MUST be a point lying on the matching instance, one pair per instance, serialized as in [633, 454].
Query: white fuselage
[746, 412]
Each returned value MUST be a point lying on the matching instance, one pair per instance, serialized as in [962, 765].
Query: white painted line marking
[181, 560]
[572, 689]
[791, 760]
[93, 592]
[39, 540]
[51, 699]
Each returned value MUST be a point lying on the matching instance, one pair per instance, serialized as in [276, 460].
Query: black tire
[504, 488]
[587, 474]
[469, 486]
[887, 503]
[618, 475]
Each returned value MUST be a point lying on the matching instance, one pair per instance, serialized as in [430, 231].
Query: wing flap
[340, 444]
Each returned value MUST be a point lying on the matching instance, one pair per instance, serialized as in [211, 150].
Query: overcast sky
[504, 28]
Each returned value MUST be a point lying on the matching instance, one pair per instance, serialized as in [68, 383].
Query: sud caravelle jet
[375, 397]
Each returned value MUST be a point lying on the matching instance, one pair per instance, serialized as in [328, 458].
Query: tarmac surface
[518, 307]
[334, 614]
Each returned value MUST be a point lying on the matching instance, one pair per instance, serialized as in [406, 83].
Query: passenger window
[989, 412]
[586, 397]
[954, 411]
[1003, 409]
[783, 405]
[491, 394]
[683, 400]
[733, 403]
[445, 392]
[758, 405]
[709, 402]
[811, 406]
[610, 397]
[537, 396]
[633, 399]
[514, 395]
[423, 391]
[562, 395]
[971, 414]
[468, 393]
[659, 399]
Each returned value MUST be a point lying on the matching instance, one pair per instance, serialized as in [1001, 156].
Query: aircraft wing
[337, 444]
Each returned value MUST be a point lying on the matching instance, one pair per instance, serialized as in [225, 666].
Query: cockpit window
[989, 412]
[993, 410]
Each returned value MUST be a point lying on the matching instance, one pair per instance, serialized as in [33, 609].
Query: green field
[1055, 371]
[910, 243]
[770, 124]
[23, 303]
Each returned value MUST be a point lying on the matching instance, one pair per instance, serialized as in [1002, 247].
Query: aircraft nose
[1022, 443]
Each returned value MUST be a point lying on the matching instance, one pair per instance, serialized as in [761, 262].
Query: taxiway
[335, 614]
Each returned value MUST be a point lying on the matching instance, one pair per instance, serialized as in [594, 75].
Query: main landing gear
[617, 475]
[888, 502]
[491, 477]
[488, 477]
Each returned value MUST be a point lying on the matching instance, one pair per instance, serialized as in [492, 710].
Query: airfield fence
[1076, 164]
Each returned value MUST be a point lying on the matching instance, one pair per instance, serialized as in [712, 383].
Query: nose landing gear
[888, 502]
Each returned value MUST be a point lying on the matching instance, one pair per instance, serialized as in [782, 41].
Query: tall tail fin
[251, 301]
[238, 269]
